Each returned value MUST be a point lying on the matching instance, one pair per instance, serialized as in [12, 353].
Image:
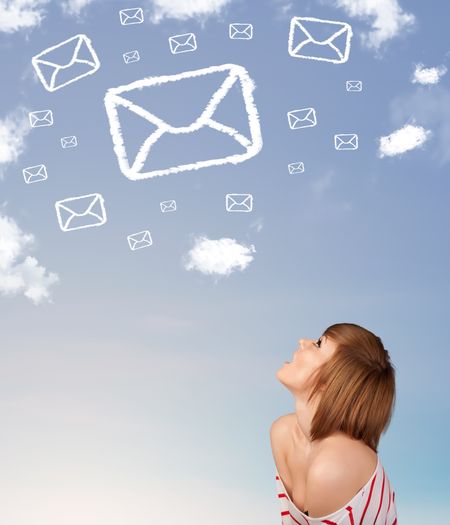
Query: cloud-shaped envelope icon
[234, 80]
[66, 62]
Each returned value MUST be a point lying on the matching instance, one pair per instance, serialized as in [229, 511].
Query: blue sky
[132, 383]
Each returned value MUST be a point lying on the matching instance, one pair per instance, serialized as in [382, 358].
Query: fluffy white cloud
[387, 18]
[428, 75]
[74, 7]
[13, 130]
[21, 14]
[184, 9]
[27, 276]
[430, 107]
[221, 256]
[404, 139]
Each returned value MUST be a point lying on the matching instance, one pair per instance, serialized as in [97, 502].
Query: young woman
[325, 452]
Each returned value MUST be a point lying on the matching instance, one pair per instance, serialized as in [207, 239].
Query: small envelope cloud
[428, 75]
[184, 9]
[13, 130]
[24, 276]
[405, 139]
[387, 19]
[218, 256]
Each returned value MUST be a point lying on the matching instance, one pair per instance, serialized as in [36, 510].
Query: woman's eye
[319, 341]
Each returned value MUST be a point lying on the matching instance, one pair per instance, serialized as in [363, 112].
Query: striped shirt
[374, 504]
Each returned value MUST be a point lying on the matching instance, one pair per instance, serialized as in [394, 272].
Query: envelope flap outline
[140, 237]
[130, 13]
[116, 95]
[87, 211]
[302, 114]
[233, 199]
[346, 138]
[183, 40]
[80, 40]
[301, 23]
[38, 116]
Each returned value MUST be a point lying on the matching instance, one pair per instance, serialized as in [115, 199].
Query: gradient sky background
[144, 393]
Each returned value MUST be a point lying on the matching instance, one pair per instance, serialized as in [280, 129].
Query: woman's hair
[357, 385]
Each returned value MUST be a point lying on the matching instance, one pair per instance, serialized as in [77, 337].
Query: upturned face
[310, 355]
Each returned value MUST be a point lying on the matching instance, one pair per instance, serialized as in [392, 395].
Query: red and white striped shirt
[374, 504]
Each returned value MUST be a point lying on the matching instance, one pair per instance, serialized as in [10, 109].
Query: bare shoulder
[281, 426]
[337, 474]
[280, 432]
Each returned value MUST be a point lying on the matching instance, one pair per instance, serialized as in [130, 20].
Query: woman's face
[309, 356]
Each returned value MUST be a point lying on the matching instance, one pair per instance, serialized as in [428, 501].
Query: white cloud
[184, 9]
[428, 75]
[13, 130]
[221, 256]
[27, 276]
[404, 139]
[21, 14]
[432, 109]
[387, 19]
[74, 7]
[320, 184]
[257, 224]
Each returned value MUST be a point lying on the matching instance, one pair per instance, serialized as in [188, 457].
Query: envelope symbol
[168, 206]
[86, 211]
[69, 142]
[66, 62]
[131, 56]
[317, 39]
[353, 85]
[239, 202]
[241, 144]
[241, 31]
[140, 240]
[346, 141]
[35, 173]
[182, 43]
[42, 118]
[302, 118]
[296, 167]
[134, 15]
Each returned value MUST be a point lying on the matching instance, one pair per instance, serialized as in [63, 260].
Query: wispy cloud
[184, 9]
[74, 7]
[387, 19]
[24, 276]
[13, 130]
[320, 184]
[405, 139]
[21, 14]
[428, 75]
[257, 224]
[218, 256]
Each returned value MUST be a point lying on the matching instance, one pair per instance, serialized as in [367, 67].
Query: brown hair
[357, 385]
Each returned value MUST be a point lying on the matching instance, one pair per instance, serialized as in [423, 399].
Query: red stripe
[394, 522]
[368, 499]
[389, 506]
[277, 477]
[282, 495]
[381, 499]
[350, 515]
